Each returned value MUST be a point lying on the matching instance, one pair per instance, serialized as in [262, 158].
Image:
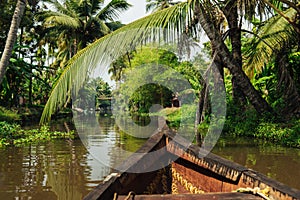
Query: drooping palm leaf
[272, 37]
[109, 47]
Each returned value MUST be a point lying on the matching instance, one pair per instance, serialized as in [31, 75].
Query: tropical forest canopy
[254, 45]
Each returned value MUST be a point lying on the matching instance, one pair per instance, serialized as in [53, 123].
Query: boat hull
[188, 173]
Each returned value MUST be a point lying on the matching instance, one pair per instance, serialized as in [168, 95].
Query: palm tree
[206, 20]
[268, 39]
[275, 40]
[78, 23]
[11, 38]
[117, 68]
[176, 18]
[103, 49]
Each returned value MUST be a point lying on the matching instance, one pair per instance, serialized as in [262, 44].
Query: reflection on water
[55, 170]
[277, 162]
[61, 169]
[104, 142]
[66, 170]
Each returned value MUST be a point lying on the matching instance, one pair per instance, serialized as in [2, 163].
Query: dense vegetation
[13, 134]
[258, 64]
[43, 45]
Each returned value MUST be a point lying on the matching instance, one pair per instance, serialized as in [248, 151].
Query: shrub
[8, 115]
[12, 134]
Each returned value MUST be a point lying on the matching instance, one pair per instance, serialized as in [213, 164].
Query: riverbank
[11, 134]
[249, 124]
[31, 114]
[238, 124]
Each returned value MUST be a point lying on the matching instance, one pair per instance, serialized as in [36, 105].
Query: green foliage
[12, 134]
[270, 37]
[93, 93]
[175, 116]
[72, 25]
[117, 43]
[8, 115]
[248, 123]
[26, 79]
[273, 83]
[286, 134]
[6, 12]
[266, 83]
[294, 63]
[164, 65]
[42, 134]
[156, 5]
[9, 131]
[147, 95]
[24, 83]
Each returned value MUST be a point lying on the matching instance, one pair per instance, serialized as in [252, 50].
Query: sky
[137, 11]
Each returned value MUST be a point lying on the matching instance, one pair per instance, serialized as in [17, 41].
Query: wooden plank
[207, 196]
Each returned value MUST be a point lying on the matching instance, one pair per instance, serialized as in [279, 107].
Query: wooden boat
[190, 176]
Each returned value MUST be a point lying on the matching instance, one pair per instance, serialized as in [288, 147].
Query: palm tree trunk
[242, 80]
[11, 38]
[231, 14]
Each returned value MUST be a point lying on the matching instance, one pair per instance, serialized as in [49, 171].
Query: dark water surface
[277, 162]
[64, 169]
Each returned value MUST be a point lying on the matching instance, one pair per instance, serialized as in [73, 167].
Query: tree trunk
[213, 80]
[11, 38]
[199, 112]
[231, 13]
[242, 80]
[30, 83]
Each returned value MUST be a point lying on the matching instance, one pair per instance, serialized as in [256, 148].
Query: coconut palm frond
[95, 6]
[253, 8]
[270, 39]
[102, 25]
[61, 19]
[58, 6]
[151, 6]
[109, 47]
[112, 10]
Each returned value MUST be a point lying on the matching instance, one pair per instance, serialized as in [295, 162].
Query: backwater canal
[66, 170]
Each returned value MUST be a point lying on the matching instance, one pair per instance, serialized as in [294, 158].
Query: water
[61, 169]
[64, 169]
[277, 162]
[54, 170]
